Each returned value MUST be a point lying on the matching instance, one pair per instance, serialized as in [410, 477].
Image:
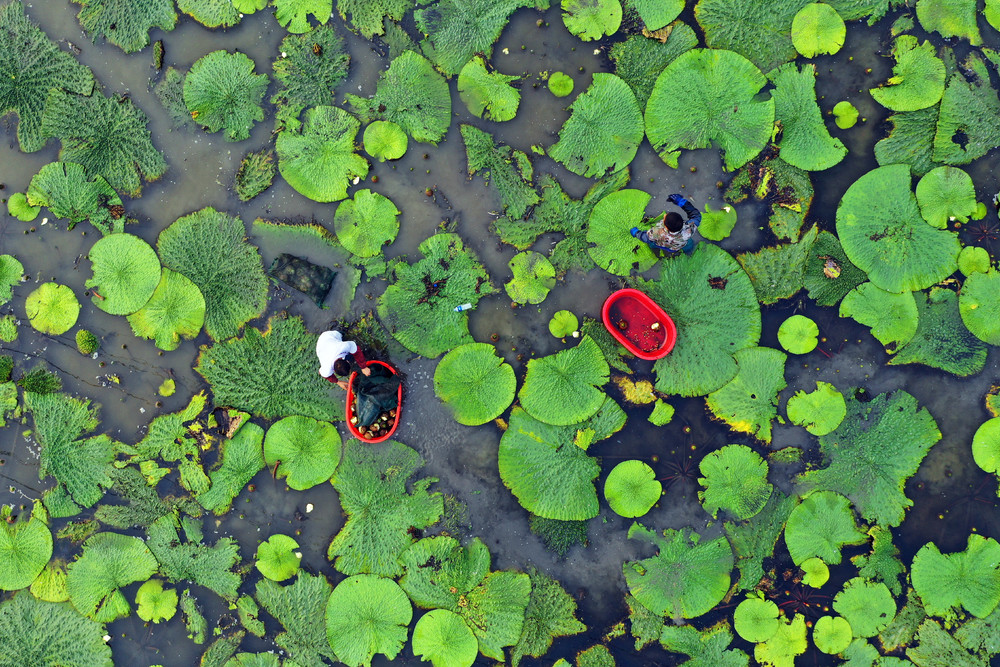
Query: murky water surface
[949, 492]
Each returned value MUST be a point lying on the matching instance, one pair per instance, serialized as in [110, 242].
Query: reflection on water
[951, 496]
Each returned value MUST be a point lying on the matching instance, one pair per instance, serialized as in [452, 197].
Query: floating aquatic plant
[475, 382]
[366, 615]
[717, 225]
[942, 339]
[40, 633]
[820, 411]
[805, 142]
[639, 59]
[533, 277]
[969, 579]
[749, 402]
[918, 77]
[964, 131]
[563, 323]
[188, 558]
[154, 604]
[443, 638]
[366, 223]
[25, 547]
[241, 457]
[846, 115]
[631, 489]
[820, 527]
[979, 306]
[223, 93]
[946, 194]
[951, 18]
[276, 557]
[509, 171]
[255, 174]
[126, 272]
[735, 481]
[778, 272]
[109, 563]
[756, 619]
[882, 564]
[787, 190]
[124, 23]
[788, 642]
[384, 140]
[208, 248]
[175, 310]
[488, 93]
[212, 13]
[868, 607]
[609, 245]
[301, 610]
[52, 309]
[728, 114]
[70, 192]
[318, 160]
[893, 318]
[560, 84]
[798, 334]
[311, 67]
[11, 271]
[818, 29]
[108, 136]
[303, 450]
[293, 15]
[973, 259]
[563, 388]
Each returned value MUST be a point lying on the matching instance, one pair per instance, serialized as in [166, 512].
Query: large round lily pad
[25, 548]
[592, 19]
[110, 562]
[632, 489]
[714, 305]
[979, 305]
[883, 233]
[475, 382]
[366, 223]
[832, 634]
[276, 558]
[175, 310]
[725, 110]
[443, 638]
[154, 604]
[534, 277]
[319, 160]
[966, 579]
[820, 526]
[384, 140]
[222, 92]
[946, 194]
[488, 93]
[685, 579]
[756, 619]
[305, 450]
[366, 615]
[820, 411]
[52, 308]
[610, 245]
[867, 606]
[563, 388]
[798, 334]
[126, 273]
[735, 481]
[818, 29]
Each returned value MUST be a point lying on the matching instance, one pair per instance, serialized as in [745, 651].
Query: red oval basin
[349, 410]
[638, 323]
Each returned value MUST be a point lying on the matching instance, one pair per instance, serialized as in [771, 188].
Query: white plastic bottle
[464, 306]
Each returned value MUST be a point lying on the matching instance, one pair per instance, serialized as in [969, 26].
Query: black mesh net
[311, 279]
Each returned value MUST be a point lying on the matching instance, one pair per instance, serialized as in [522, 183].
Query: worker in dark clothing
[672, 232]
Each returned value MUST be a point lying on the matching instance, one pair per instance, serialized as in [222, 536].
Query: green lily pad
[443, 638]
[715, 309]
[109, 563]
[964, 129]
[125, 24]
[456, 30]
[108, 136]
[22, 209]
[754, 540]
[549, 474]
[877, 447]
[639, 60]
[966, 579]
[366, 223]
[917, 80]
[175, 310]
[8, 329]
[942, 340]
[590, 20]
[52, 309]
[815, 573]
[756, 619]
[50, 584]
[868, 607]
[611, 246]
[533, 278]
[560, 84]
[973, 259]
[735, 480]
[798, 334]
[412, 94]
[319, 159]
[911, 140]
[39, 633]
[70, 192]
[951, 18]
[126, 273]
[685, 579]
[551, 613]
[820, 526]
[440, 571]
[662, 413]
[727, 115]
[946, 194]
[563, 323]
[418, 307]
[778, 272]
[477, 383]
[276, 558]
[293, 15]
[381, 507]
[893, 318]
[384, 140]
[805, 141]
[883, 563]
[817, 29]
[631, 489]
[787, 191]
[846, 115]
[155, 605]
[785, 644]
[301, 610]
[508, 170]
[820, 411]
[832, 634]
[11, 271]
[306, 451]
[709, 647]
[31, 64]
[310, 67]
[563, 388]
[367, 615]
[749, 401]
[25, 548]
[241, 457]
[488, 94]
[209, 248]
[604, 129]
[986, 445]
[883, 233]
[255, 174]
[979, 305]
[222, 92]
[717, 225]
[657, 13]
[212, 13]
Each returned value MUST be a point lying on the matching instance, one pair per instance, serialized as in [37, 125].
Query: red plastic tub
[639, 324]
[350, 407]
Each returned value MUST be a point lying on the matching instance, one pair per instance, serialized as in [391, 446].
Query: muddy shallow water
[464, 459]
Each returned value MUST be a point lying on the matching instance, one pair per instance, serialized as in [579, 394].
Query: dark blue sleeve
[693, 214]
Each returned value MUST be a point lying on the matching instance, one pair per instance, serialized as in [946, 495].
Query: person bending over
[331, 348]
[672, 232]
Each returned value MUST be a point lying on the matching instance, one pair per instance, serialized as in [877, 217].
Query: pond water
[951, 495]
